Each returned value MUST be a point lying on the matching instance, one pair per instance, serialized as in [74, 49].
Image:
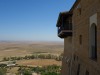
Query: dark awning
[62, 15]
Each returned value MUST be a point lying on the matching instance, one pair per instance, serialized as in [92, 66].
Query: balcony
[64, 24]
[65, 31]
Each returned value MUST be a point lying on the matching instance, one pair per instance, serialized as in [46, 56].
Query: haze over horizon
[31, 20]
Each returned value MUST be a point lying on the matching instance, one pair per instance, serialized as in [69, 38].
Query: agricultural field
[38, 62]
[26, 57]
[9, 49]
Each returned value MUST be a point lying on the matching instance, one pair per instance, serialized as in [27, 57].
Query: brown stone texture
[67, 55]
[80, 52]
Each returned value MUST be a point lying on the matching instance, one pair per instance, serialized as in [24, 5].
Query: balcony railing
[65, 30]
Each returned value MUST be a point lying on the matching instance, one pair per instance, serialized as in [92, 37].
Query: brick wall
[67, 56]
[81, 26]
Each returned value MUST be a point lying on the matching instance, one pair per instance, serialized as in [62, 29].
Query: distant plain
[10, 49]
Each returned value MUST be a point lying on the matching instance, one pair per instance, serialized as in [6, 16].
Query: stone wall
[78, 47]
[81, 22]
[67, 56]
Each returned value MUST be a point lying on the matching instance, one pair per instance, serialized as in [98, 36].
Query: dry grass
[13, 70]
[8, 49]
[39, 62]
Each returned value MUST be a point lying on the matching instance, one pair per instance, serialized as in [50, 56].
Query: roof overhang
[61, 16]
[74, 5]
[67, 13]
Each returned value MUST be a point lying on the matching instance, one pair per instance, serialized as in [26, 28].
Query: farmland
[30, 56]
[39, 62]
[9, 49]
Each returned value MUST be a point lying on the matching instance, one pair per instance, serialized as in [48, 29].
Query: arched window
[93, 42]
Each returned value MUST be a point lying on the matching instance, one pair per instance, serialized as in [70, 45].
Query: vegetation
[3, 70]
[47, 70]
[27, 72]
[40, 51]
[34, 56]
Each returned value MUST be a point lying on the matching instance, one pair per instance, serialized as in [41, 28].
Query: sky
[31, 20]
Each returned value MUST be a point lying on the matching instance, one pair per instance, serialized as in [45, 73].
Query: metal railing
[65, 27]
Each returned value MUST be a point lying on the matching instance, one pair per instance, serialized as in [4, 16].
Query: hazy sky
[31, 19]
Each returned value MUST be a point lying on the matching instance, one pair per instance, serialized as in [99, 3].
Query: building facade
[80, 28]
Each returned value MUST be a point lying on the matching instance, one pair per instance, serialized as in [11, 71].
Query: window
[78, 70]
[79, 9]
[77, 58]
[93, 42]
[80, 39]
[74, 57]
[86, 73]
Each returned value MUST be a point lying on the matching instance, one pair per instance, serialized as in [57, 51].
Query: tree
[27, 72]
[3, 71]
[5, 59]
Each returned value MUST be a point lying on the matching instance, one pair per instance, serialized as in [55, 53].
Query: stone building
[80, 28]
